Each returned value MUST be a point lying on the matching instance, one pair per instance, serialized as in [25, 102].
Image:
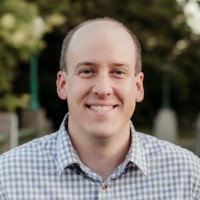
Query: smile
[100, 108]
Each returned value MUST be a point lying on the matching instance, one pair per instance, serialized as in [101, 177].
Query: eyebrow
[122, 64]
[86, 64]
[92, 64]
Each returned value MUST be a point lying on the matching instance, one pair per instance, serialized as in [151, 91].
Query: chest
[73, 185]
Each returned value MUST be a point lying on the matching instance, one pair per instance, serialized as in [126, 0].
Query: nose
[102, 86]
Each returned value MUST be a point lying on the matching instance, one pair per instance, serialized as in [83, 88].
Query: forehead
[100, 30]
[101, 38]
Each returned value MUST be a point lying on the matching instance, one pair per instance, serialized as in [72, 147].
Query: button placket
[102, 191]
[104, 186]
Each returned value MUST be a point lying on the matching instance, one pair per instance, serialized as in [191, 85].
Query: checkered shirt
[48, 168]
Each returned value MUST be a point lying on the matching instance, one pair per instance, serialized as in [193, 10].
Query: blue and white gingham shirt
[49, 168]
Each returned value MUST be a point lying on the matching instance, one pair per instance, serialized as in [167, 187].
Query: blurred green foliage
[22, 29]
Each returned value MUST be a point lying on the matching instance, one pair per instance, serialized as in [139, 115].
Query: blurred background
[31, 35]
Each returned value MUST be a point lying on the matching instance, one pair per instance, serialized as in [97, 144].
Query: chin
[101, 133]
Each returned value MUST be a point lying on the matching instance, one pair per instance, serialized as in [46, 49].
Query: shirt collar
[66, 154]
[136, 153]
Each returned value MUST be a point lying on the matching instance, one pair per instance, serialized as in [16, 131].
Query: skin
[101, 89]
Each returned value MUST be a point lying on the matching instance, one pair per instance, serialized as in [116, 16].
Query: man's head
[100, 81]
[69, 36]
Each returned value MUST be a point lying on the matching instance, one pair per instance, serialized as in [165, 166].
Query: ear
[139, 87]
[61, 84]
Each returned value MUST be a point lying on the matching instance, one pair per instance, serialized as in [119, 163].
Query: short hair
[66, 42]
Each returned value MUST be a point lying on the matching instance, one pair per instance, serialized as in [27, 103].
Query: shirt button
[104, 186]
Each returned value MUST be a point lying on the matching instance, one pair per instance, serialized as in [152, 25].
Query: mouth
[101, 108]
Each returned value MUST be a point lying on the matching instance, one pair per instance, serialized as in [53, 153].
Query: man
[97, 154]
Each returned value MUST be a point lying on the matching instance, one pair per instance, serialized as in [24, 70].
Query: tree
[18, 40]
[21, 34]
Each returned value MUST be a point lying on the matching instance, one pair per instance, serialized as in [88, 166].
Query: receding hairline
[110, 21]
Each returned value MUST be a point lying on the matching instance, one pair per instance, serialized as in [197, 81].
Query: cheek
[126, 90]
[127, 95]
[77, 91]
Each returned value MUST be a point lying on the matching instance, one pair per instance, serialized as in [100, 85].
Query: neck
[102, 156]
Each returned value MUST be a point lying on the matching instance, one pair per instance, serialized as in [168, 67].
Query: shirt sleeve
[197, 192]
[2, 197]
[197, 182]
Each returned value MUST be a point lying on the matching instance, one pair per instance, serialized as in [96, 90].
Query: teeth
[101, 108]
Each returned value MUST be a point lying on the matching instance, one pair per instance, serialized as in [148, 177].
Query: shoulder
[173, 162]
[168, 152]
[28, 153]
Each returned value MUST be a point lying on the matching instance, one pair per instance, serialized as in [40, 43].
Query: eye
[119, 73]
[86, 72]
